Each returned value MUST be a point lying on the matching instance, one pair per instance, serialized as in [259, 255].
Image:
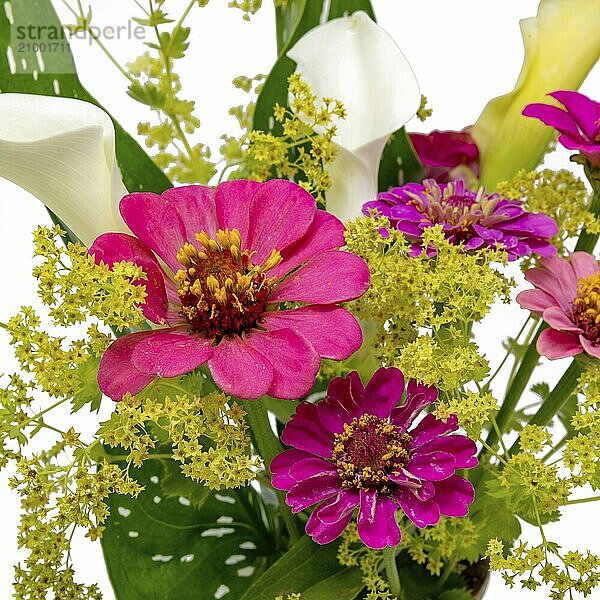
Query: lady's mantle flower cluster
[475, 219]
[358, 449]
[238, 254]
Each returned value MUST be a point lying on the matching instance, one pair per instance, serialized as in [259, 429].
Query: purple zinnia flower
[578, 124]
[446, 154]
[476, 219]
[355, 449]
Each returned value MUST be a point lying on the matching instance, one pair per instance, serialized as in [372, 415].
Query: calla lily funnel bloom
[353, 60]
[359, 449]
[578, 124]
[63, 152]
[567, 296]
[235, 255]
[562, 45]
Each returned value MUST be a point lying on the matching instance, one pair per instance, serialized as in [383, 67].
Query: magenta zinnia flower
[477, 219]
[567, 295]
[356, 449]
[446, 154]
[234, 257]
[578, 124]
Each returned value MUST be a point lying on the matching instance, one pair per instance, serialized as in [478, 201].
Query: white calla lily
[63, 152]
[353, 60]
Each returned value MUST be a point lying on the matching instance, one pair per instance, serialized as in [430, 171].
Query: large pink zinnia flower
[567, 295]
[446, 154]
[578, 124]
[234, 257]
[355, 449]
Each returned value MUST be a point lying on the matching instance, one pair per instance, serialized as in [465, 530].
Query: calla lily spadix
[353, 60]
[63, 152]
[562, 44]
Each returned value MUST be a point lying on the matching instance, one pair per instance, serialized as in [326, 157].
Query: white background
[463, 53]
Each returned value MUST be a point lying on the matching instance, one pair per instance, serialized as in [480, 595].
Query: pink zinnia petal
[240, 370]
[433, 465]
[155, 221]
[418, 396]
[281, 465]
[295, 362]
[111, 248]
[454, 495]
[462, 448]
[535, 300]
[377, 525]
[338, 341]
[116, 375]
[171, 353]
[280, 214]
[583, 264]
[232, 202]
[546, 280]
[327, 278]
[383, 392]
[311, 466]
[339, 508]
[326, 232]
[421, 513]
[591, 348]
[196, 207]
[312, 490]
[431, 428]
[558, 344]
[305, 432]
[324, 533]
[583, 109]
[557, 319]
[553, 117]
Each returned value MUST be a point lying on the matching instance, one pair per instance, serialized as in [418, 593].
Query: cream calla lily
[353, 60]
[562, 44]
[63, 152]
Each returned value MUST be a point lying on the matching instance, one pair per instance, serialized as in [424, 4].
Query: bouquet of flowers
[279, 349]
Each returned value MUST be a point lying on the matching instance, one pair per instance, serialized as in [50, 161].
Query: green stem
[267, 444]
[555, 400]
[587, 241]
[584, 500]
[515, 391]
[391, 571]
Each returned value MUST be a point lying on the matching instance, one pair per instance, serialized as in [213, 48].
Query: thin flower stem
[507, 355]
[556, 448]
[268, 446]
[499, 434]
[391, 571]
[493, 452]
[587, 241]
[584, 500]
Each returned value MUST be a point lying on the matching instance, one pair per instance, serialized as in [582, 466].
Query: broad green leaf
[399, 162]
[162, 548]
[307, 568]
[59, 77]
[175, 484]
[339, 8]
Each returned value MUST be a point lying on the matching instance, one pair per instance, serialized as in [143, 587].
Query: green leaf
[307, 568]
[456, 594]
[148, 94]
[89, 392]
[293, 21]
[175, 484]
[399, 162]
[59, 77]
[161, 548]
[157, 17]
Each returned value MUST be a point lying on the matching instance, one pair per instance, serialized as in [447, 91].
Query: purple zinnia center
[221, 292]
[368, 451]
[586, 306]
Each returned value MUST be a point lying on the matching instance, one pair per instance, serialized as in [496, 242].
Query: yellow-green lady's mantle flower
[562, 44]
[63, 152]
[353, 60]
